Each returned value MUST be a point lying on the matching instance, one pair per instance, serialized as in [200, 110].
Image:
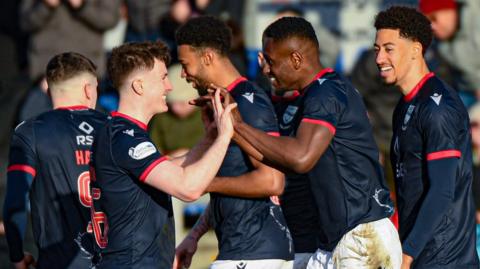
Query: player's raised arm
[188, 183]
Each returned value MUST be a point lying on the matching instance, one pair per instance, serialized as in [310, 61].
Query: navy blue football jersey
[431, 123]
[346, 185]
[249, 229]
[132, 221]
[53, 149]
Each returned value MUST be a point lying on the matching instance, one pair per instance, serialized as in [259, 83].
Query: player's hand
[227, 100]
[406, 261]
[209, 123]
[52, 3]
[184, 253]
[26, 262]
[223, 118]
[201, 100]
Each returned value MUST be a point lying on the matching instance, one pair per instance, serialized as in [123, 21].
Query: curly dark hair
[411, 23]
[67, 65]
[132, 56]
[205, 32]
[287, 27]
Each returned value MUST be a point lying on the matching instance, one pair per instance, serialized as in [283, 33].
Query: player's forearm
[439, 197]
[255, 184]
[280, 152]
[199, 174]
[195, 153]
[202, 225]
[15, 212]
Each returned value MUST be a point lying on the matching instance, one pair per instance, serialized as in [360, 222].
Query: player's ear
[417, 50]
[296, 59]
[137, 86]
[207, 56]
[90, 88]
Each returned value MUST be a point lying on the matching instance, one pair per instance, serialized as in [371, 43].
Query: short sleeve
[324, 104]
[442, 126]
[22, 150]
[136, 154]
[257, 111]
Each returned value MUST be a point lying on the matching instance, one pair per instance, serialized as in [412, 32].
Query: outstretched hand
[223, 118]
[227, 99]
[184, 253]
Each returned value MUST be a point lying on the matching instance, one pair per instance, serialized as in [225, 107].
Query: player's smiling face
[394, 55]
[277, 64]
[192, 68]
[158, 86]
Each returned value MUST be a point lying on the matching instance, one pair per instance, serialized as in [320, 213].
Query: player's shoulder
[439, 98]
[125, 132]
[249, 95]
[330, 88]
[26, 127]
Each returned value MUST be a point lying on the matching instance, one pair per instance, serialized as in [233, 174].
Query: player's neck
[309, 73]
[227, 74]
[58, 102]
[135, 111]
[413, 77]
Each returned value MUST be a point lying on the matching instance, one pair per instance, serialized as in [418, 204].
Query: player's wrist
[224, 137]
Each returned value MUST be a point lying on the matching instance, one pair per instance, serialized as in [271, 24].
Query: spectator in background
[456, 25]
[180, 11]
[144, 19]
[57, 26]
[474, 114]
[237, 53]
[181, 127]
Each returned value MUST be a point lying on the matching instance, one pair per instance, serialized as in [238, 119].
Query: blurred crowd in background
[32, 31]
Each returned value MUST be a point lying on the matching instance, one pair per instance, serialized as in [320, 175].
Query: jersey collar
[417, 87]
[137, 122]
[320, 74]
[296, 93]
[79, 107]
[235, 83]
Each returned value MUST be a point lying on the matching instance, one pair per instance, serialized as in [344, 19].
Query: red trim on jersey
[417, 88]
[149, 169]
[125, 116]
[79, 107]
[327, 124]
[274, 133]
[444, 154]
[235, 83]
[23, 168]
[322, 73]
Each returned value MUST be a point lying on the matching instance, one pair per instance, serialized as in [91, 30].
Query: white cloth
[369, 245]
[252, 264]
[301, 260]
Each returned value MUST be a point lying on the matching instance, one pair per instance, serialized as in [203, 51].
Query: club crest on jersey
[289, 114]
[408, 115]
[142, 150]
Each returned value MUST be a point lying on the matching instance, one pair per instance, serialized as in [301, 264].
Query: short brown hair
[131, 56]
[67, 65]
